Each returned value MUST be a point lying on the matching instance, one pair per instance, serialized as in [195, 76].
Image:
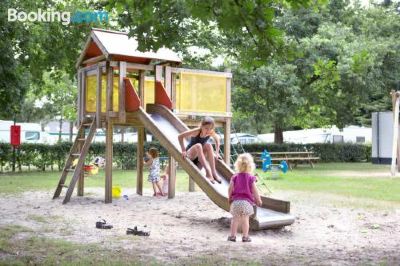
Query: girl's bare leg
[159, 188]
[154, 189]
[245, 225]
[197, 151]
[234, 225]
[209, 151]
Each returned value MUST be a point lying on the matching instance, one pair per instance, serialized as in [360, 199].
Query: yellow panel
[91, 85]
[198, 92]
[148, 91]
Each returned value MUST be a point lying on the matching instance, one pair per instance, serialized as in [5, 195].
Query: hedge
[44, 157]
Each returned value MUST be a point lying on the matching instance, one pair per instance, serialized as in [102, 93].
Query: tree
[270, 95]
[29, 49]
[245, 29]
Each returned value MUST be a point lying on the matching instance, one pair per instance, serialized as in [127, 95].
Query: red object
[132, 100]
[161, 96]
[15, 135]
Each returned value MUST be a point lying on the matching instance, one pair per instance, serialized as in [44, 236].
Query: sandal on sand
[232, 238]
[137, 232]
[103, 225]
[246, 239]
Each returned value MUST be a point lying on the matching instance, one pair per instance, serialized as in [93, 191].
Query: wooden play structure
[120, 86]
[396, 145]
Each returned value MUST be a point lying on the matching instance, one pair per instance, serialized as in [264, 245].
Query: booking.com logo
[55, 16]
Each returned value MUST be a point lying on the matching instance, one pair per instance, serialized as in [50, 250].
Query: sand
[326, 231]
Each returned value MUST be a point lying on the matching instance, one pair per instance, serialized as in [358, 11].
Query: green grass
[26, 181]
[338, 178]
[27, 249]
[334, 178]
[20, 246]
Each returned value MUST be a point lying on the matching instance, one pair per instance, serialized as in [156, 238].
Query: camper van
[30, 132]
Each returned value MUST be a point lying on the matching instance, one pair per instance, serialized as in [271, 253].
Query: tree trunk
[60, 131]
[122, 134]
[278, 134]
[71, 130]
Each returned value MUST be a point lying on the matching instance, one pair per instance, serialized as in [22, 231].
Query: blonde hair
[245, 163]
[153, 152]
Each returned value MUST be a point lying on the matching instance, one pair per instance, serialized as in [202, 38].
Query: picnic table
[293, 158]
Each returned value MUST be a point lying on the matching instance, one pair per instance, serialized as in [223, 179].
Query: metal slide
[165, 126]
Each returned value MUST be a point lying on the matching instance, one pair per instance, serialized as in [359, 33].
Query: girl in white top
[154, 167]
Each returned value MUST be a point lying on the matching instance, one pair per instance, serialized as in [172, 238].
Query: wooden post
[140, 155]
[83, 94]
[191, 185]
[168, 82]
[79, 101]
[159, 72]
[98, 96]
[141, 88]
[395, 135]
[110, 88]
[173, 90]
[109, 159]
[172, 177]
[395, 96]
[81, 180]
[121, 91]
[227, 131]
[227, 141]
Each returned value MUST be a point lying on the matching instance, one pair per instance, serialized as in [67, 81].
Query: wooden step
[76, 154]
[70, 170]
[81, 139]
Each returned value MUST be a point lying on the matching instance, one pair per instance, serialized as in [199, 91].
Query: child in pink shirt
[243, 195]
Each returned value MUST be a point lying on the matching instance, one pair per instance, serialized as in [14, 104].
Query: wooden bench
[293, 158]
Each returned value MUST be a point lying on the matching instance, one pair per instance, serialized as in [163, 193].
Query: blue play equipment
[267, 164]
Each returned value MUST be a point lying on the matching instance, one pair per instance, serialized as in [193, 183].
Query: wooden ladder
[77, 151]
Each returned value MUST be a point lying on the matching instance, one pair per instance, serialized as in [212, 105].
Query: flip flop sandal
[137, 232]
[218, 180]
[103, 225]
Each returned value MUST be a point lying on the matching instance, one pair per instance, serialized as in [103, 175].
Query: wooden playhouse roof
[117, 46]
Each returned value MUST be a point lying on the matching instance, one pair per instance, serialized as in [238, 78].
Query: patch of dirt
[190, 225]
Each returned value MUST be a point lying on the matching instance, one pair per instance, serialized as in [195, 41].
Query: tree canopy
[300, 63]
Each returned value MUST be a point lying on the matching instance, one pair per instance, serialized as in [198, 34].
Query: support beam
[98, 96]
[79, 101]
[173, 90]
[159, 73]
[109, 159]
[395, 136]
[109, 90]
[140, 155]
[141, 88]
[172, 177]
[121, 91]
[94, 60]
[81, 180]
[228, 121]
[227, 141]
[395, 96]
[83, 98]
[191, 185]
[168, 81]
